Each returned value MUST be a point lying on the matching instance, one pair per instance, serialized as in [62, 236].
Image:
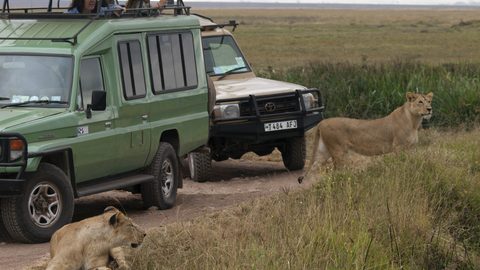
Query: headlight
[16, 149]
[226, 111]
[310, 101]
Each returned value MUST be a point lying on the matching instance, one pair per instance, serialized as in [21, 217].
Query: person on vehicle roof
[145, 4]
[90, 6]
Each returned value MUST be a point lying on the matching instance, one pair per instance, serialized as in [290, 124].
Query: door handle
[108, 124]
[145, 117]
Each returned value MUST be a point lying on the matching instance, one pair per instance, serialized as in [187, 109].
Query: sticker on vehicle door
[82, 130]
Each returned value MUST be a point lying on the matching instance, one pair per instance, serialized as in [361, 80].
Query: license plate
[280, 125]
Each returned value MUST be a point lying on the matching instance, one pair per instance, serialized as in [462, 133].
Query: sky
[400, 2]
[381, 2]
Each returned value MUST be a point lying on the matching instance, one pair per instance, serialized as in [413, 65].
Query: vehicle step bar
[101, 185]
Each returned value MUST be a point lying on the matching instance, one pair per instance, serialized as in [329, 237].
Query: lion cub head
[420, 104]
[124, 230]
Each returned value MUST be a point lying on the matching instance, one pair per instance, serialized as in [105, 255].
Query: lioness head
[420, 104]
[125, 231]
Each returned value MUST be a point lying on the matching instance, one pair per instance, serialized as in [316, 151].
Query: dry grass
[411, 210]
[286, 38]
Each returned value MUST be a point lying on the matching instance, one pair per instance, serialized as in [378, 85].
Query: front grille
[271, 106]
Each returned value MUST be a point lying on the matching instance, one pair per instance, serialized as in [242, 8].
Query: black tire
[45, 206]
[4, 236]
[200, 166]
[162, 191]
[294, 153]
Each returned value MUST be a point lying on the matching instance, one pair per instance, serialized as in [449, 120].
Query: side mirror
[99, 102]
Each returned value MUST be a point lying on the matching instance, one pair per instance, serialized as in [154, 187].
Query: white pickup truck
[249, 113]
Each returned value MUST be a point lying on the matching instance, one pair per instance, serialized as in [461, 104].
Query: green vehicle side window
[172, 61]
[131, 65]
[90, 79]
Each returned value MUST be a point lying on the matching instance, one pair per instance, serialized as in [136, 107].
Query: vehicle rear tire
[45, 206]
[162, 191]
[294, 153]
[200, 166]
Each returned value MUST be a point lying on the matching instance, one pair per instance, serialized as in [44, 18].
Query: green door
[94, 150]
[133, 113]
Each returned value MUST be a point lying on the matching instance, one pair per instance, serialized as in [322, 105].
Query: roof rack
[214, 25]
[37, 13]
[178, 8]
[72, 40]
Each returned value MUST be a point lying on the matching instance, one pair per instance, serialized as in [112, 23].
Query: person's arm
[161, 4]
[113, 8]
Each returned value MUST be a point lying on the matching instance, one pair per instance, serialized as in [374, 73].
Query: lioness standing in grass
[339, 137]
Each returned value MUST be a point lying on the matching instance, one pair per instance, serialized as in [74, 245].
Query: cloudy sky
[397, 2]
[342, 1]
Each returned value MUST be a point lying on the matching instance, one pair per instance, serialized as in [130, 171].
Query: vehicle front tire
[162, 191]
[45, 206]
[200, 166]
[4, 236]
[294, 153]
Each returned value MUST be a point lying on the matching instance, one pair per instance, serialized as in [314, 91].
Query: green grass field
[418, 209]
[374, 90]
[288, 38]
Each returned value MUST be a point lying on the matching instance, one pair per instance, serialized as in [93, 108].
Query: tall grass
[372, 90]
[410, 210]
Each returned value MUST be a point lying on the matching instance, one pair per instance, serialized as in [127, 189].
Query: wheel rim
[44, 204]
[167, 177]
[191, 166]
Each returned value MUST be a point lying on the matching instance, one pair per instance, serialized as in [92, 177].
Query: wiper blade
[34, 102]
[230, 71]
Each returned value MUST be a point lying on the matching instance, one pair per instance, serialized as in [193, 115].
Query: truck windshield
[222, 56]
[34, 80]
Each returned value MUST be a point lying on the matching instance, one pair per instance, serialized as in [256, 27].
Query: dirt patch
[233, 182]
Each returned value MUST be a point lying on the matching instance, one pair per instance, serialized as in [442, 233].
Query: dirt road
[233, 182]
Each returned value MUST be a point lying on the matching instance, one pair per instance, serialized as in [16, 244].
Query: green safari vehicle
[91, 103]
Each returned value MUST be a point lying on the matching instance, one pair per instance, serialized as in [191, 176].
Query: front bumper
[252, 128]
[255, 131]
[11, 187]
[11, 184]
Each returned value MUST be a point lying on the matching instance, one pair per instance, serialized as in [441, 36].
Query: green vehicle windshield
[35, 80]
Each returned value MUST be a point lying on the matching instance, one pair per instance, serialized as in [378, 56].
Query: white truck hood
[252, 86]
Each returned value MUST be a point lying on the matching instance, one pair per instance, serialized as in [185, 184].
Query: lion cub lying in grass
[339, 138]
[88, 244]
